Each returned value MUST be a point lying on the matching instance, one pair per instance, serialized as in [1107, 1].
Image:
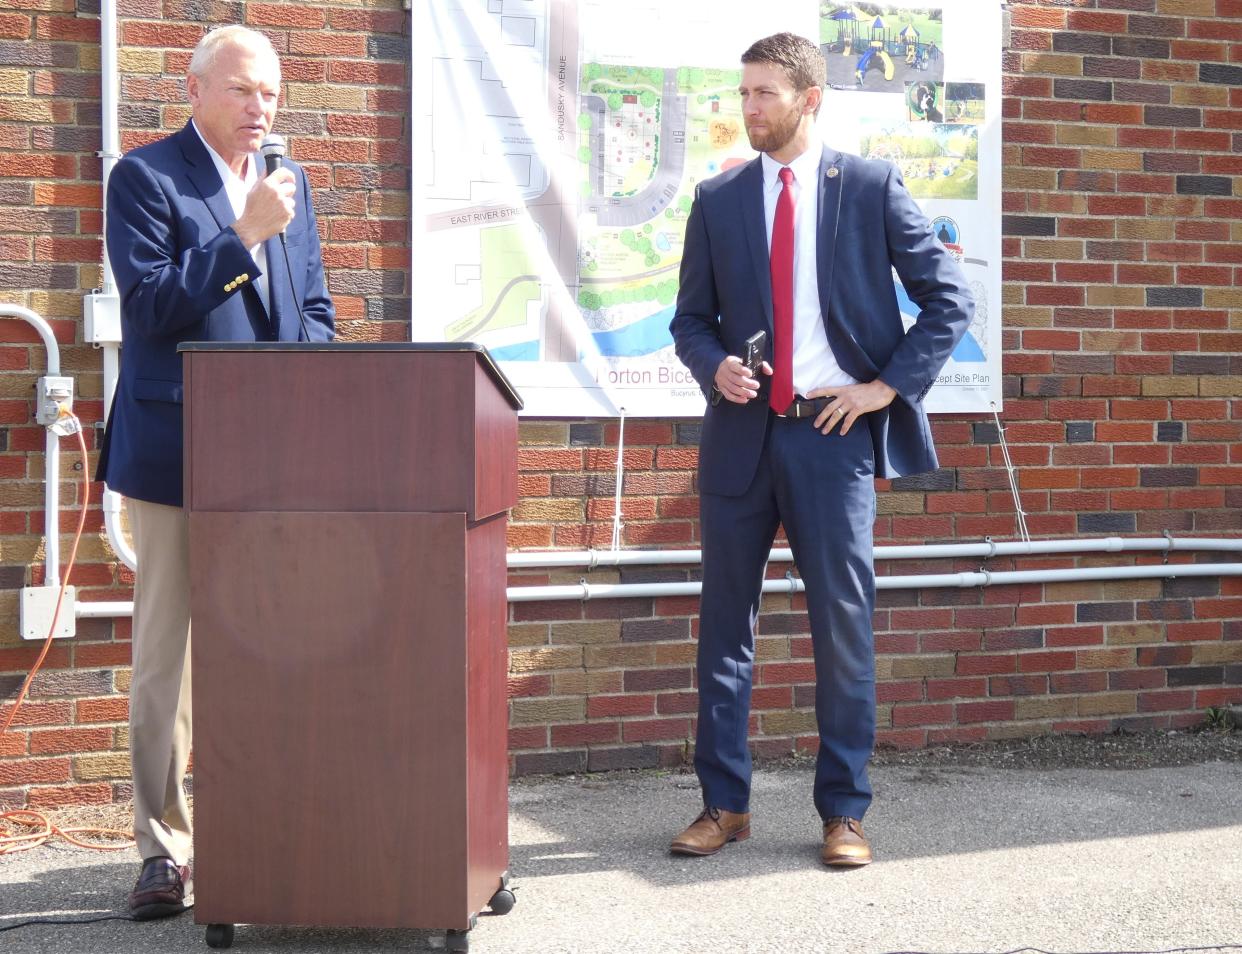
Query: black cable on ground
[99, 920]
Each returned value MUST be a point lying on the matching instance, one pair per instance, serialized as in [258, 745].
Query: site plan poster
[556, 145]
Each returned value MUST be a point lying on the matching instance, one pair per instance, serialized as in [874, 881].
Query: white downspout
[103, 307]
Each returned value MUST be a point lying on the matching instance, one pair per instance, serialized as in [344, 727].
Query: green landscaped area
[509, 283]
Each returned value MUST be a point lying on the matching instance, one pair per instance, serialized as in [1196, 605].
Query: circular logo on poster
[945, 229]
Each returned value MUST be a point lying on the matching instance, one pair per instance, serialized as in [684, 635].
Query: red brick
[1096, 22]
[140, 33]
[70, 741]
[70, 29]
[284, 15]
[994, 710]
[599, 707]
[102, 710]
[647, 730]
[328, 44]
[589, 733]
[32, 771]
[933, 714]
[43, 799]
[528, 737]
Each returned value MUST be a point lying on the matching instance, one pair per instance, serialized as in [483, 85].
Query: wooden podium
[347, 508]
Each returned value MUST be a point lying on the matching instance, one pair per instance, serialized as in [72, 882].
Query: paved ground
[969, 859]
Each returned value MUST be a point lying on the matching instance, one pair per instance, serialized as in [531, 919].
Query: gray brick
[688, 434]
[673, 629]
[1170, 432]
[1082, 89]
[1028, 225]
[1127, 92]
[1196, 676]
[629, 757]
[1106, 523]
[550, 763]
[1141, 46]
[1220, 73]
[586, 435]
[1204, 364]
[942, 479]
[1104, 612]
[1205, 185]
[1181, 117]
[1172, 296]
[1080, 43]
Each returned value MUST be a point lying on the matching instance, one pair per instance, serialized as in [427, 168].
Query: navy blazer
[184, 275]
[868, 225]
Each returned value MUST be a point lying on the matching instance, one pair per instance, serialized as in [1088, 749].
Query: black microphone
[273, 150]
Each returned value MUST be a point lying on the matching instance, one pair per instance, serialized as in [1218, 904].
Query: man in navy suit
[193, 226]
[802, 449]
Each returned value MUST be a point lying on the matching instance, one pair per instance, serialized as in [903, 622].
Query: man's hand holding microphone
[269, 205]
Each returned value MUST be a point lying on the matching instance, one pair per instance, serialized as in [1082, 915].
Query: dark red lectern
[347, 508]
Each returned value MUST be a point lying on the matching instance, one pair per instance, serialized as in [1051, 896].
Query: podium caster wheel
[457, 941]
[502, 901]
[219, 935]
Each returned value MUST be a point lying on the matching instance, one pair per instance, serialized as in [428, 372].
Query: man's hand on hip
[735, 382]
[850, 402]
[269, 208]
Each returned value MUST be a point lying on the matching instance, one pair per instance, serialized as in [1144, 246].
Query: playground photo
[879, 49]
[963, 103]
[937, 161]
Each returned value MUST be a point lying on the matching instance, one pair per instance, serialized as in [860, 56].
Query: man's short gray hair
[205, 52]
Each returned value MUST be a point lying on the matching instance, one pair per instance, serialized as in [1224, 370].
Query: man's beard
[778, 133]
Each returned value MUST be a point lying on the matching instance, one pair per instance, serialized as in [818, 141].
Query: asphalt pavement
[968, 859]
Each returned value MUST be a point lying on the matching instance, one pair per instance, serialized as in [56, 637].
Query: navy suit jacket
[184, 275]
[868, 225]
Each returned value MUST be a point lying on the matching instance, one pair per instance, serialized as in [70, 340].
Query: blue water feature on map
[650, 334]
[967, 349]
[645, 336]
[522, 351]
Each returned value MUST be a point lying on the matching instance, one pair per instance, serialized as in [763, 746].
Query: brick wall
[1123, 126]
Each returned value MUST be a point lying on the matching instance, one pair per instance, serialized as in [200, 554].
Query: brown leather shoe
[845, 845]
[162, 890]
[711, 831]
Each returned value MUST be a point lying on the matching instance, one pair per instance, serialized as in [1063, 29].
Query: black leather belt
[806, 407]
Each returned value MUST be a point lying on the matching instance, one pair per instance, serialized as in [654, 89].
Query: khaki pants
[159, 694]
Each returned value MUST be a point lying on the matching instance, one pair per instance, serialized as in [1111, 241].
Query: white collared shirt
[814, 364]
[237, 188]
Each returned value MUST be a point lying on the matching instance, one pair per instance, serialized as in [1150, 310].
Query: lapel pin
[832, 172]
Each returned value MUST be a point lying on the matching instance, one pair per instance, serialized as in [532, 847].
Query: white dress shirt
[237, 188]
[814, 364]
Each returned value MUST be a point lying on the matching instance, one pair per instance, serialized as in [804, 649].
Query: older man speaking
[192, 226]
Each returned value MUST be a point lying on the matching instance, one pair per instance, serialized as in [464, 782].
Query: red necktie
[781, 263]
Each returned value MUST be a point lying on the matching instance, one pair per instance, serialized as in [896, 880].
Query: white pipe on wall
[929, 551]
[51, 449]
[791, 584]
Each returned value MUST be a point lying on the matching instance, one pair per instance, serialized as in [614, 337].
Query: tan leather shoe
[711, 831]
[845, 845]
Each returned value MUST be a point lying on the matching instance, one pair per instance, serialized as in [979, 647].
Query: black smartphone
[753, 358]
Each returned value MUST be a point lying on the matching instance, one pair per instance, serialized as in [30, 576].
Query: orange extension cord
[37, 828]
